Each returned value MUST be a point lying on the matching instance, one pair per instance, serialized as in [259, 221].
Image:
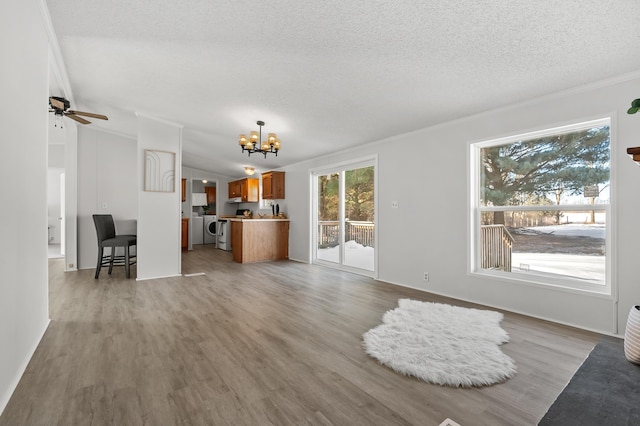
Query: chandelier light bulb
[255, 143]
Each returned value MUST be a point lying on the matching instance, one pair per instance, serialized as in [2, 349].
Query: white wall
[55, 161]
[63, 150]
[429, 230]
[71, 198]
[159, 213]
[56, 153]
[107, 184]
[53, 204]
[23, 255]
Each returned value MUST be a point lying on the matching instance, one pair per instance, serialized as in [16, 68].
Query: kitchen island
[259, 240]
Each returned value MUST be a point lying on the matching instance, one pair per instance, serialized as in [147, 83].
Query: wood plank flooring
[258, 344]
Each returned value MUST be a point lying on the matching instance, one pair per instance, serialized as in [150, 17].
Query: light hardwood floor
[258, 344]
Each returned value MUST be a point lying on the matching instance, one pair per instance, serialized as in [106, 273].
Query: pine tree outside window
[540, 207]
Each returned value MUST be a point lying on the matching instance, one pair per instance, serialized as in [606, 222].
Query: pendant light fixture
[255, 144]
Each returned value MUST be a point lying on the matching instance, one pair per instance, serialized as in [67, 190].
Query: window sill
[566, 285]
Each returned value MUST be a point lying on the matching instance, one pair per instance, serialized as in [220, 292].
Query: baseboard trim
[20, 372]
[298, 260]
[515, 311]
[157, 278]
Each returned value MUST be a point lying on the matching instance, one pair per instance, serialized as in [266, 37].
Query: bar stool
[106, 232]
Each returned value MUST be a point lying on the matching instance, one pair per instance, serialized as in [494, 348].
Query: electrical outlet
[394, 204]
[426, 276]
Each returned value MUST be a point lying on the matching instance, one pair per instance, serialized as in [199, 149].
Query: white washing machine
[210, 228]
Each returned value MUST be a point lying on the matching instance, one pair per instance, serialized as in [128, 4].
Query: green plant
[635, 106]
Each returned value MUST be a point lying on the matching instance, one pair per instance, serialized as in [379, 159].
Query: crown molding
[160, 120]
[56, 61]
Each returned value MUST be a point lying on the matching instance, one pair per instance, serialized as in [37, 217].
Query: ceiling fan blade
[56, 103]
[77, 118]
[89, 114]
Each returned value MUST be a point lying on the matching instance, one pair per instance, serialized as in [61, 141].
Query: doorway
[344, 199]
[55, 213]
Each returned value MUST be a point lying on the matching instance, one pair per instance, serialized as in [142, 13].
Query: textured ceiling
[326, 75]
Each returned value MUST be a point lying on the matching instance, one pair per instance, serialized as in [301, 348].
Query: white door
[344, 217]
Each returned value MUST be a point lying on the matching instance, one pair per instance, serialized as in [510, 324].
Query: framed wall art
[159, 171]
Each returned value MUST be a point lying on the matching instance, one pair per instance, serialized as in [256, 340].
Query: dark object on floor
[106, 232]
[604, 391]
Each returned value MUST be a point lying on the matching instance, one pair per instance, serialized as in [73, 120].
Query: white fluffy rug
[442, 344]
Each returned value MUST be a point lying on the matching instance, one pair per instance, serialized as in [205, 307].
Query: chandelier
[255, 144]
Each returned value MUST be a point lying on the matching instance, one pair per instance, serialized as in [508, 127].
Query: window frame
[476, 209]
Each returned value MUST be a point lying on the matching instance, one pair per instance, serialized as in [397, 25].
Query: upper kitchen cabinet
[246, 189]
[235, 189]
[273, 185]
[211, 194]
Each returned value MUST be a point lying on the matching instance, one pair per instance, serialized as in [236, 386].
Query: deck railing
[497, 246]
[358, 231]
[328, 233]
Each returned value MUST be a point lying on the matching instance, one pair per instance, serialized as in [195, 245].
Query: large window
[540, 207]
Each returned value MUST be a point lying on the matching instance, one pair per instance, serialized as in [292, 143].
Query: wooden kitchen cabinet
[211, 194]
[184, 190]
[246, 189]
[185, 233]
[273, 185]
[259, 240]
[235, 189]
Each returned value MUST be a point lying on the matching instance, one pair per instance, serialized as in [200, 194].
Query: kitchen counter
[259, 240]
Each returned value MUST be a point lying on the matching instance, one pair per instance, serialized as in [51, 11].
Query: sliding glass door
[329, 229]
[344, 222]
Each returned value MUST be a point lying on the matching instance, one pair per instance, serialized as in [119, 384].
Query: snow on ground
[591, 268]
[587, 267]
[573, 230]
[355, 255]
